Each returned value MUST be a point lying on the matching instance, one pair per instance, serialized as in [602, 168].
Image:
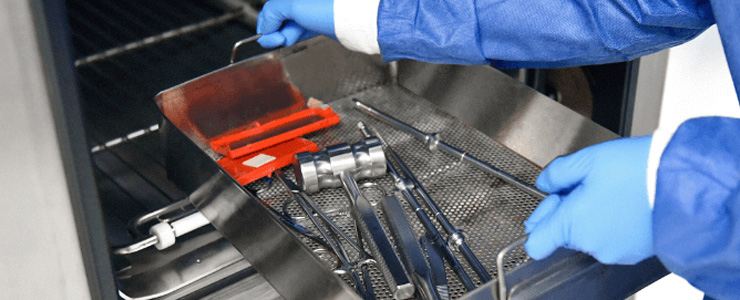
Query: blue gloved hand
[302, 18]
[598, 204]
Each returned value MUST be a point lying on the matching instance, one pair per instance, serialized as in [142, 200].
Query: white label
[258, 160]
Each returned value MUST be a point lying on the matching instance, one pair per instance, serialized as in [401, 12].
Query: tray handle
[502, 292]
[242, 42]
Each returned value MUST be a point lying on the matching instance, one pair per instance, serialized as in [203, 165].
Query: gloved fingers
[292, 33]
[547, 236]
[309, 34]
[271, 40]
[564, 173]
[285, 37]
[544, 209]
[272, 16]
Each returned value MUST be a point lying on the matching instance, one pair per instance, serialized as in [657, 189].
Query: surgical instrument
[403, 185]
[409, 248]
[305, 201]
[434, 142]
[455, 236]
[439, 276]
[365, 272]
[330, 236]
[341, 165]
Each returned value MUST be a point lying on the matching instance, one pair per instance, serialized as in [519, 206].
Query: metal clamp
[331, 234]
[502, 292]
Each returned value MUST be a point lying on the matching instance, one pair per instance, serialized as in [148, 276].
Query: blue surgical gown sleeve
[727, 15]
[696, 217]
[536, 33]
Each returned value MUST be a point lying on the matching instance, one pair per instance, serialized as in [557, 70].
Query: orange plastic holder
[274, 132]
[262, 163]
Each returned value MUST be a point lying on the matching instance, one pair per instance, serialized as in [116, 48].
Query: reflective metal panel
[511, 113]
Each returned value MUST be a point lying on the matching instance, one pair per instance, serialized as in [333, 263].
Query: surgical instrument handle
[303, 199]
[365, 211]
[308, 206]
[402, 185]
[335, 246]
[455, 236]
[437, 265]
[365, 271]
[434, 142]
[411, 252]
[302, 196]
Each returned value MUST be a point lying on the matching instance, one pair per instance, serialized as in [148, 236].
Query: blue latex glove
[598, 204]
[302, 18]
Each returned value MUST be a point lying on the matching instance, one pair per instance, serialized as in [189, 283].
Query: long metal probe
[455, 236]
[434, 142]
[403, 186]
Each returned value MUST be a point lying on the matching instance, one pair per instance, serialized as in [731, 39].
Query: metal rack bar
[143, 175]
[123, 139]
[135, 183]
[122, 190]
[182, 31]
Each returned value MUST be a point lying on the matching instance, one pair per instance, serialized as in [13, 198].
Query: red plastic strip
[283, 154]
[274, 132]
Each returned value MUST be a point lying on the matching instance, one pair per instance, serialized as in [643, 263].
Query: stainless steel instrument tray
[490, 212]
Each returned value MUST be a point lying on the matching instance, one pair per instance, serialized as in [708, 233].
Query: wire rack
[126, 52]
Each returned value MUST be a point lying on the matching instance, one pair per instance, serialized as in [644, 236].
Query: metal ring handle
[375, 186]
[502, 292]
[320, 251]
[242, 42]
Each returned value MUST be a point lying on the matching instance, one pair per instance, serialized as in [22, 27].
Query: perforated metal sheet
[490, 212]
